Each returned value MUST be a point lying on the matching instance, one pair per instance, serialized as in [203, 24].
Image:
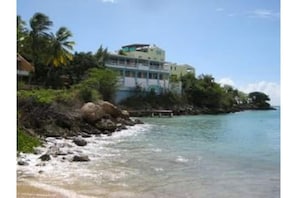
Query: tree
[121, 52]
[39, 24]
[101, 56]
[22, 35]
[259, 99]
[103, 80]
[60, 48]
[81, 62]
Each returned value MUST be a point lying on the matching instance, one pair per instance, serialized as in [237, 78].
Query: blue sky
[236, 41]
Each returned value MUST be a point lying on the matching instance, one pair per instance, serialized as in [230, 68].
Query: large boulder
[110, 109]
[91, 112]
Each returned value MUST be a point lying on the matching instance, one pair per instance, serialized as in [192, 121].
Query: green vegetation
[259, 99]
[148, 100]
[26, 142]
[47, 96]
[51, 53]
[104, 81]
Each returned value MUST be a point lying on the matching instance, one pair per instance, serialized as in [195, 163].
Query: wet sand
[25, 190]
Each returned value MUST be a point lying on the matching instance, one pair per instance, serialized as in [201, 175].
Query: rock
[137, 121]
[64, 122]
[41, 171]
[125, 114]
[120, 127]
[37, 151]
[45, 157]
[53, 150]
[52, 130]
[79, 141]
[61, 153]
[91, 112]
[106, 125]
[106, 132]
[40, 164]
[110, 109]
[128, 122]
[85, 135]
[80, 158]
[23, 163]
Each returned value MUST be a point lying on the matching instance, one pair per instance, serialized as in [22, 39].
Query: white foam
[63, 172]
[158, 169]
[181, 159]
[157, 150]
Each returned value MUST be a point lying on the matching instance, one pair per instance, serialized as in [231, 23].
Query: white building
[141, 66]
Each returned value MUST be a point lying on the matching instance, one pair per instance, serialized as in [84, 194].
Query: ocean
[205, 156]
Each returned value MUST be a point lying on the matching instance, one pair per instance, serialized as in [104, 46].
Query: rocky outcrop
[58, 120]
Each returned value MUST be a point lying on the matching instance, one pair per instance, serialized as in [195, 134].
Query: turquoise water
[232, 155]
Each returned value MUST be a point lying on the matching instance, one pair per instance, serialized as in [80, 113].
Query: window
[138, 74]
[127, 73]
[161, 76]
[150, 76]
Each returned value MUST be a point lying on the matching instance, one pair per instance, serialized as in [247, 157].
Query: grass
[25, 142]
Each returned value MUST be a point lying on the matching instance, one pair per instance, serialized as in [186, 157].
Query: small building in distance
[179, 70]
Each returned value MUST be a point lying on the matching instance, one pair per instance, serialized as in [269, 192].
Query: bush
[26, 142]
[87, 94]
[44, 96]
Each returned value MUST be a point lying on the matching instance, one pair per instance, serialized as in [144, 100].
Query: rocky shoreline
[56, 122]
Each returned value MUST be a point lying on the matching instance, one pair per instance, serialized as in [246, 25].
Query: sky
[235, 41]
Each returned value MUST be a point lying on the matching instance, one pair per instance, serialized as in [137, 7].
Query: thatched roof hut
[23, 66]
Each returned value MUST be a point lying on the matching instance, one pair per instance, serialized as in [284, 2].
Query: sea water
[207, 156]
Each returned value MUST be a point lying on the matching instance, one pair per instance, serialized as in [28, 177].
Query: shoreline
[30, 188]
[24, 190]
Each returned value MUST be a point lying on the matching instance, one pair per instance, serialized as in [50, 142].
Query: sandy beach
[25, 190]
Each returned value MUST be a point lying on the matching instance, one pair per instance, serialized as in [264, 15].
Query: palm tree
[59, 53]
[39, 24]
[60, 48]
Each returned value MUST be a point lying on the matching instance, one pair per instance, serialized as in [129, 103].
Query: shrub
[26, 142]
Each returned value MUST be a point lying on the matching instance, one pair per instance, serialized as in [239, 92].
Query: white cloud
[270, 88]
[108, 1]
[226, 81]
[263, 13]
[220, 9]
